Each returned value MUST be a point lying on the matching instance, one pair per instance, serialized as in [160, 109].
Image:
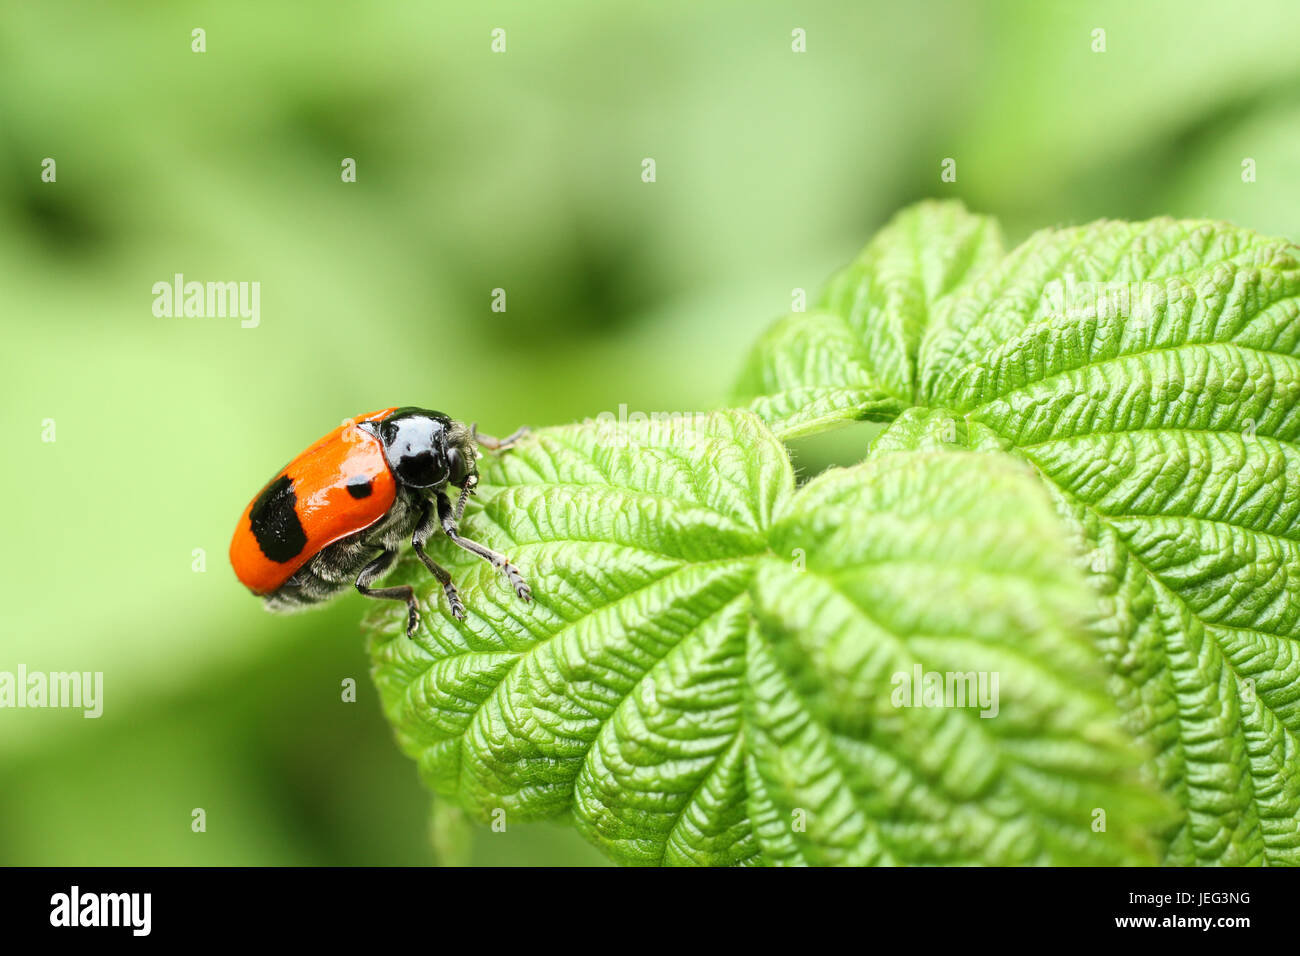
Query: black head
[425, 449]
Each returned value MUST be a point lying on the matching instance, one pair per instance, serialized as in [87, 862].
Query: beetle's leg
[497, 560]
[377, 569]
[497, 444]
[422, 532]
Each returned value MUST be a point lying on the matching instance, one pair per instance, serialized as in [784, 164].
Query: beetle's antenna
[466, 490]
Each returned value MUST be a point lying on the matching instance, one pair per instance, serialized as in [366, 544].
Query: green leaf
[854, 355]
[1161, 410]
[707, 674]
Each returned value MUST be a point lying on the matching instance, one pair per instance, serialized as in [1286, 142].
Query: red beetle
[337, 513]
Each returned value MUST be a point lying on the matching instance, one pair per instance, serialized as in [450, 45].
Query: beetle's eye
[456, 466]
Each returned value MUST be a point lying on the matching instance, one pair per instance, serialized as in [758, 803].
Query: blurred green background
[475, 170]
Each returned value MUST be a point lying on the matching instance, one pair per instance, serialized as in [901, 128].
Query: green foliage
[708, 673]
[1086, 488]
[476, 171]
[855, 354]
[1160, 410]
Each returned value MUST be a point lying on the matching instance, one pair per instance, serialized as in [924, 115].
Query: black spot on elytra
[359, 487]
[275, 524]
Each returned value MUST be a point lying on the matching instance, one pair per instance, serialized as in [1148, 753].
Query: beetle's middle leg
[495, 558]
[421, 535]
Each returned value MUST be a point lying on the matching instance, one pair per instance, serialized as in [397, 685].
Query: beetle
[336, 515]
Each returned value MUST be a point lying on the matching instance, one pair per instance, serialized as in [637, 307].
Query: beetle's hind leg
[377, 569]
[422, 532]
[495, 558]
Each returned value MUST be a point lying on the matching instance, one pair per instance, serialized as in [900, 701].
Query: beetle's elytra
[336, 515]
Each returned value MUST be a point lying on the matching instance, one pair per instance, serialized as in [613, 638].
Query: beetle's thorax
[424, 449]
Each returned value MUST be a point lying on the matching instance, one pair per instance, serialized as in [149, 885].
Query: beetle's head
[425, 449]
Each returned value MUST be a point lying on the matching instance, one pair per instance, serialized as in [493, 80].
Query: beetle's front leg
[497, 560]
[498, 444]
